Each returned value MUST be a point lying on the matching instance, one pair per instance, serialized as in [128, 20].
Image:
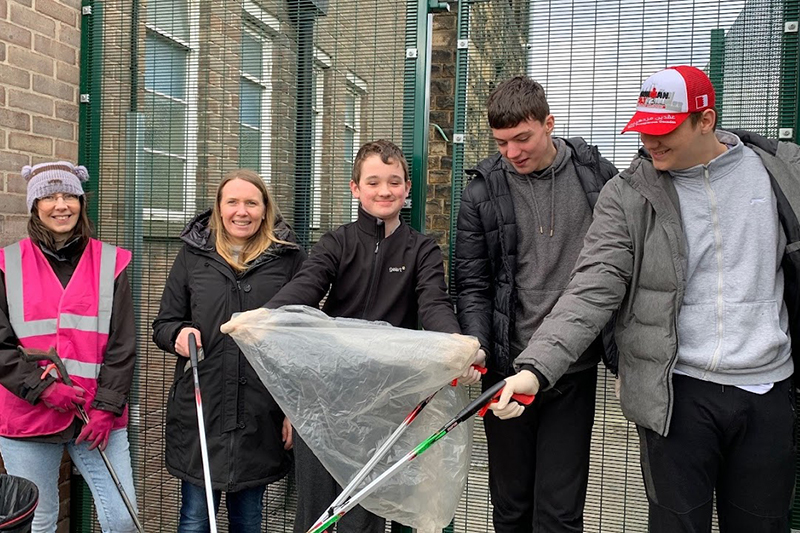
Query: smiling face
[688, 145]
[59, 212]
[382, 187]
[241, 206]
[528, 145]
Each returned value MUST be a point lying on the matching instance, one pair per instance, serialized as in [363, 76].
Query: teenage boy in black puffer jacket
[520, 229]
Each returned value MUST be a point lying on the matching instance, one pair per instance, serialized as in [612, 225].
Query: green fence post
[790, 95]
[459, 129]
[716, 67]
[415, 107]
[89, 156]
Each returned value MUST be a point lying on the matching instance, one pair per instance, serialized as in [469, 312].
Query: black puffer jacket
[486, 252]
[243, 422]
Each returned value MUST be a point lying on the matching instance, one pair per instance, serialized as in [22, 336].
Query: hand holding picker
[30, 354]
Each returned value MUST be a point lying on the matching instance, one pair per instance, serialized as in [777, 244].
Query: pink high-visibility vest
[74, 319]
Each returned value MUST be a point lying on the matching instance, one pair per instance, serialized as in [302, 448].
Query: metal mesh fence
[181, 91]
[591, 58]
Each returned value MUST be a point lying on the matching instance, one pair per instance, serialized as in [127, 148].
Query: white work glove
[471, 375]
[525, 382]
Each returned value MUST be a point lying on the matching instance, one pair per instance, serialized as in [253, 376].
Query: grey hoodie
[551, 200]
[733, 327]
[635, 260]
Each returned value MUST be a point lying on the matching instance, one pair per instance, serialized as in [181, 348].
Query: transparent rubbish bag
[347, 384]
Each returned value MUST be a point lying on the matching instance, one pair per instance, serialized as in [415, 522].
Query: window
[321, 62]
[170, 109]
[255, 100]
[356, 88]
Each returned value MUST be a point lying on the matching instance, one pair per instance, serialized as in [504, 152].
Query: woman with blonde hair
[235, 257]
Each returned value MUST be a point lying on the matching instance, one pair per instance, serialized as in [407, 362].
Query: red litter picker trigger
[481, 370]
[524, 399]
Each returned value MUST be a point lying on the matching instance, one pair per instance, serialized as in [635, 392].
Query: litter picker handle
[212, 517]
[193, 356]
[524, 399]
[481, 370]
[32, 354]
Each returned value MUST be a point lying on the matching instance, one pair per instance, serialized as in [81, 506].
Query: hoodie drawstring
[552, 203]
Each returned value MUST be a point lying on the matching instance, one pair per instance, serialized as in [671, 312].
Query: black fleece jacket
[397, 278]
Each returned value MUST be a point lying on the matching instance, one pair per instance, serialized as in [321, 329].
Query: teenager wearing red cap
[696, 245]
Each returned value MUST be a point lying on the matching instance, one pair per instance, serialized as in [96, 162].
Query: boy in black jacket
[520, 228]
[376, 268]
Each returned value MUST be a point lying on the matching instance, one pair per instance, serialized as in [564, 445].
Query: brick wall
[39, 74]
[440, 152]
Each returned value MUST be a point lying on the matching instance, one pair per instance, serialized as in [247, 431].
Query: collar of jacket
[656, 186]
[198, 234]
[582, 153]
[372, 225]
[69, 253]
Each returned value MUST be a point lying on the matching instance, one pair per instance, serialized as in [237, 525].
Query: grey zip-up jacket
[634, 260]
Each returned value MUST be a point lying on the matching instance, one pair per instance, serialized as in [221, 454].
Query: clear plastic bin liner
[347, 384]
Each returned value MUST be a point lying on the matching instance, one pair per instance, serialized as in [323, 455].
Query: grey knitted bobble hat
[45, 179]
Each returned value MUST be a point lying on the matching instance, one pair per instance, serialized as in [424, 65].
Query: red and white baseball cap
[668, 97]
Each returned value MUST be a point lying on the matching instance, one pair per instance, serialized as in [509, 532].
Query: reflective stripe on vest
[93, 324]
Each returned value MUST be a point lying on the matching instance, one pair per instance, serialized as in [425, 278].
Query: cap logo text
[659, 99]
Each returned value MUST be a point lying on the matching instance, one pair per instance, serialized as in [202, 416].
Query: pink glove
[63, 398]
[98, 429]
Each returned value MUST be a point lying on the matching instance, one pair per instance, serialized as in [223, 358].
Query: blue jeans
[245, 509]
[39, 462]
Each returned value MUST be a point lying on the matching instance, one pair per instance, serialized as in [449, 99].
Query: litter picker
[345, 502]
[50, 355]
[201, 426]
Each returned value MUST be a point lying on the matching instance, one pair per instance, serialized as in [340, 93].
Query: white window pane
[350, 109]
[165, 122]
[250, 95]
[163, 179]
[249, 148]
[252, 55]
[165, 67]
[170, 16]
[349, 144]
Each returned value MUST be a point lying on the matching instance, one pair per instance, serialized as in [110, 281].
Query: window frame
[263, 33]
[356, 88]
[322, 62]
[192, 46]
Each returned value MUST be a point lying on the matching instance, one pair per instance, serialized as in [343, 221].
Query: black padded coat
[243, 422]
[486, 252]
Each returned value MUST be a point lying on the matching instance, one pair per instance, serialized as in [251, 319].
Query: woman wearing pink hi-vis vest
[61, 288]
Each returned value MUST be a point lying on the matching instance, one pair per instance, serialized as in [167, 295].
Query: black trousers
[316, 490]
[727, 440]
[539, 462]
